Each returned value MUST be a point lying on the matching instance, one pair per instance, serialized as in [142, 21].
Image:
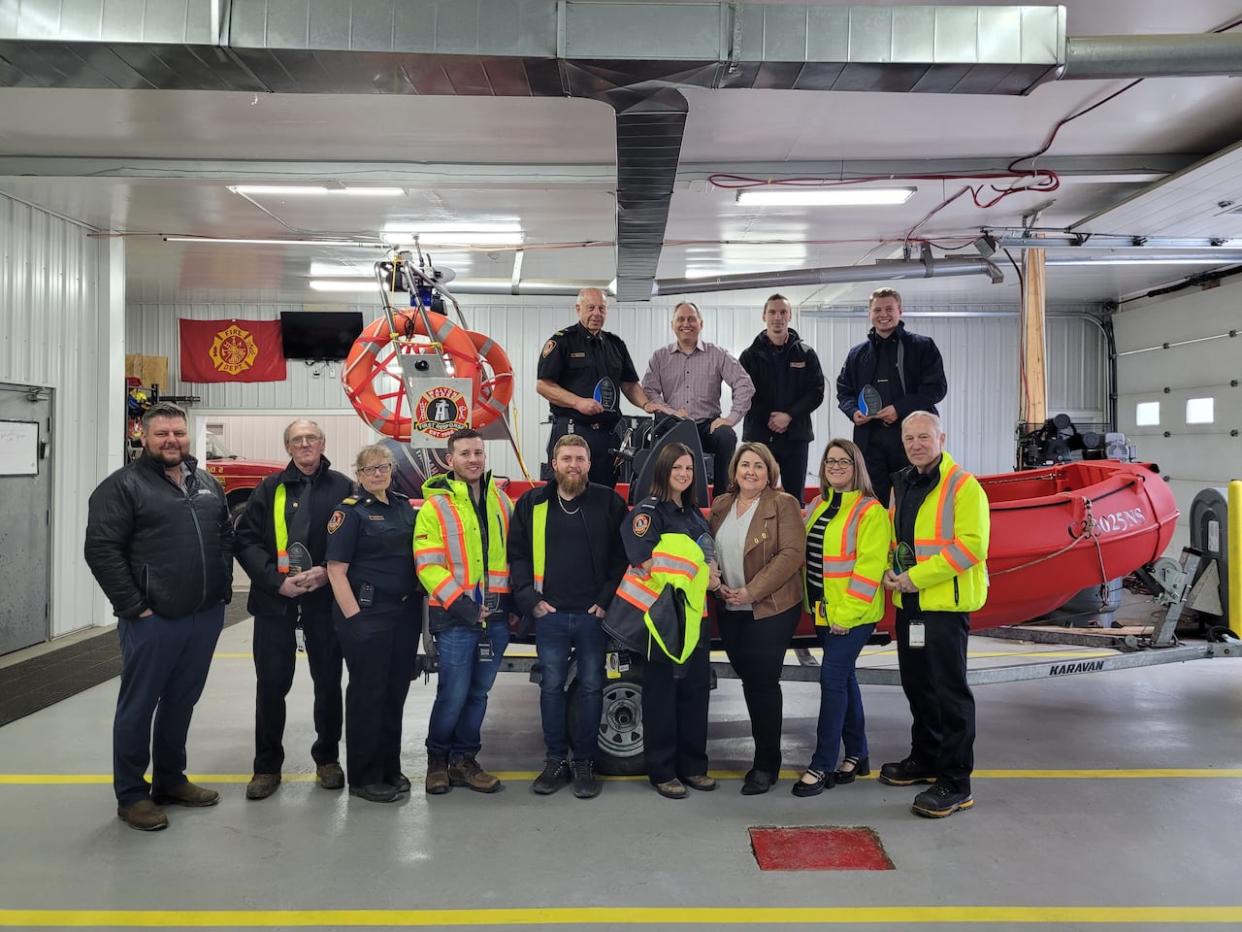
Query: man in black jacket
[160, 544]
[906, 371]
[281, 541]
[789, 387]
[566, 560]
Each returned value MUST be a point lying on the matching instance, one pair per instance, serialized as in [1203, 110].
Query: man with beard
[160, 544]
[789, 387]
[282, 541]
[566, 559]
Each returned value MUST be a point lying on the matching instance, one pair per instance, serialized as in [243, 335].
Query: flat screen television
[319, 334]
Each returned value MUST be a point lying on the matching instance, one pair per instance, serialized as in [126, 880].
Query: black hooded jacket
[787, 378]
[922, 372]
[153, 545]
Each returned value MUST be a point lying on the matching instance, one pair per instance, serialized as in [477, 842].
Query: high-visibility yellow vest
[677, 563]
[539, 541]
[282, 530]
[448, 551]
[951, 534]
[857, 542]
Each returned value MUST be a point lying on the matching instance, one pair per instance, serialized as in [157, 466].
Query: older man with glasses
[282, 541]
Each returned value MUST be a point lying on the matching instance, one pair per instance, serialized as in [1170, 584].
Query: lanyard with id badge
[903, 562]
[491, 602]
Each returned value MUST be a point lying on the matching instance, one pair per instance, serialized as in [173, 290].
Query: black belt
[597, 425]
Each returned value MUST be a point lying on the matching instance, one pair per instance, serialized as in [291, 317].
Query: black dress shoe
[859, 767]
[757, 783]
[823, 781]
[375, 792]
[402, 784]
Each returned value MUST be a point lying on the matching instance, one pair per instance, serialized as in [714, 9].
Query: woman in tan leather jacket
[760, 546]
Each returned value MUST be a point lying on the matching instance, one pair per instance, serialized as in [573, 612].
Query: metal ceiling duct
[880, 271]
[1167, 56]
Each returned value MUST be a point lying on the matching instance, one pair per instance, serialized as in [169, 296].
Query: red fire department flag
[231, 351]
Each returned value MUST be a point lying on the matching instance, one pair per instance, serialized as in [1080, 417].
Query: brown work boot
[143, 815]
[262, 785]
[330, 776]
[467, 772]
[187, 794]
[438, 781]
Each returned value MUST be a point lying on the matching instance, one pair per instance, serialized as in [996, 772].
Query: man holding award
[583, 372]
[939, 576]
[885, 378]
[281, 544]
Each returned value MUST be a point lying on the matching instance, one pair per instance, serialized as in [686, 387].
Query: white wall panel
[261, 436]
[1194, 456]
[981, 355]
[54, 319]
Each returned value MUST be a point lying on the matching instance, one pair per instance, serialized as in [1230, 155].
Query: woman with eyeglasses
[376, 616]
[848, 535]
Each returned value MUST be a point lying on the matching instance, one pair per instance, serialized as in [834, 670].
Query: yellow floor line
[1156, 773]
[617, 916]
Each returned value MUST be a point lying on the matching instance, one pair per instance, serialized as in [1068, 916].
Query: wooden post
[1033, 389]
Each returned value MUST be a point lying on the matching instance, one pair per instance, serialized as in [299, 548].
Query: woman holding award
[848, 537]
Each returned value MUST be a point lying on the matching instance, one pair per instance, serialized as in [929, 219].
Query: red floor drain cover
[818, 848]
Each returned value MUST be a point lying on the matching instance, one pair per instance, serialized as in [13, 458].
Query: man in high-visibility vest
[281, 544]
[939, 576]
[460, 555]
[566, 557]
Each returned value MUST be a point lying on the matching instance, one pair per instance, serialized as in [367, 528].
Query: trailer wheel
[620, 748]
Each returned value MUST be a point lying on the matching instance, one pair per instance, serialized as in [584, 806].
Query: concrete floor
[1122, 844]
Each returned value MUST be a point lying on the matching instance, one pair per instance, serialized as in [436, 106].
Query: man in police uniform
[281, 540]
[583, 371]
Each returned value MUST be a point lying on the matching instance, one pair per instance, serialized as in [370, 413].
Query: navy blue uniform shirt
[652, 517]
[377, 541]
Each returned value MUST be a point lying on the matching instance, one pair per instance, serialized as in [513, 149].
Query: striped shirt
[692, 381]
[815, 551]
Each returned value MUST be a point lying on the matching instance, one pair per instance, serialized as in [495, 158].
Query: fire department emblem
[440, 412]
[233, 350]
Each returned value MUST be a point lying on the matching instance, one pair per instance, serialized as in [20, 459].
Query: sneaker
[586, 784]
[555, 775]
[941, 800]
[330, 776]
[375, 792]
[906, 772]
[262, 785]
[467, 772]
[187, 794]
[438, 781]
[143, 815]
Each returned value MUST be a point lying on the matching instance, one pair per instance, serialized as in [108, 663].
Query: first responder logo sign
[231, 351]
[440, 410]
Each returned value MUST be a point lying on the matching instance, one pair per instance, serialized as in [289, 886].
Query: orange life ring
[384, 405]
[492, 397]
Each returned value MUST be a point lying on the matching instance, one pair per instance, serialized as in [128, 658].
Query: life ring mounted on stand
[492, 397]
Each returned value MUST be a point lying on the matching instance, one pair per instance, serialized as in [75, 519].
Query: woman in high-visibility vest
[664, 537]
[848, 534]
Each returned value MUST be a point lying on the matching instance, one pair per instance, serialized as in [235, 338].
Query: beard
[166, 457]
[571, 485]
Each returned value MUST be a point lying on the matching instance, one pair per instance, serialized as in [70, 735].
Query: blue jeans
[840, 699]
[462, 686]
[555, 634]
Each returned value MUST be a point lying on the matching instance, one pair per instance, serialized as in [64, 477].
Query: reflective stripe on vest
[282, 531]
[843, 564]
[945, 542]
[454, 552]
[539, 542]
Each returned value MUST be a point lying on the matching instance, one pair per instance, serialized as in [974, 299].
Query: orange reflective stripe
[282, 562]
[636, 593]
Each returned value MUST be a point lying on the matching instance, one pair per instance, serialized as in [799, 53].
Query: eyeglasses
[378, 470]
[838, 464]
[305, 440]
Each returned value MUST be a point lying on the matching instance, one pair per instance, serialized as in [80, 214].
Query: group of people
[351, 562]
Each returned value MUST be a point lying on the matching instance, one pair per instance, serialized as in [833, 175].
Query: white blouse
[731, 551]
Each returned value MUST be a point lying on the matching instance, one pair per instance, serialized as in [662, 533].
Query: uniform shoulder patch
[548, 348]
[335, 522]
[352, 500]
[641, 524]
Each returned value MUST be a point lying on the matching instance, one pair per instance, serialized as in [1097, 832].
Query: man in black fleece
[566, 560]
[789, 387]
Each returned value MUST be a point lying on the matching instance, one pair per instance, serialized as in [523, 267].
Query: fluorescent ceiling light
[471, 226]
[1157, 260]
[268, 242]
[340, 270]
[790, 196]
[462, 238]
[352, 285]
[314, 189]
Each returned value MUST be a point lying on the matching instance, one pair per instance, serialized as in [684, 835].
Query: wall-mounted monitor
[319, 334]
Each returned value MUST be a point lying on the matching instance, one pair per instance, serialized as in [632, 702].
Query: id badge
[485, 648]
[366, 595]
[612, 665]
[918, 636]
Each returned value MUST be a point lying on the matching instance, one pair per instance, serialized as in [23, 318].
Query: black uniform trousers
[380, 645]
[884, 454]
[720, 443]
[756, 649]
[675, 717]
[599, 439]
[791, 458]
[275, 656]
[933, 677]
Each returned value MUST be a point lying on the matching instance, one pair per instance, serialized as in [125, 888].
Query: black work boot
[906, 772]
[555, 775]
[586, 784]
[942, 800]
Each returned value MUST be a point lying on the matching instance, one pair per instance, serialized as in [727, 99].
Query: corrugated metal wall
[981, 356]
[52, 297]
[261, 436]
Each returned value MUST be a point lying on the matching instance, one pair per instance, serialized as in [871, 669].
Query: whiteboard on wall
[19, 448]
